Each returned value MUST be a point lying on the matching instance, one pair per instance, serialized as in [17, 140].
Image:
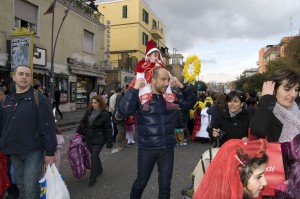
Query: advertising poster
[20, 48]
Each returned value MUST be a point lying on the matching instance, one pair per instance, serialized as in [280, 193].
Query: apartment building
[131, 24]
[79, 51]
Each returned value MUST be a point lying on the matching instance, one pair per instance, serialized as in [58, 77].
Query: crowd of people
[163, 116]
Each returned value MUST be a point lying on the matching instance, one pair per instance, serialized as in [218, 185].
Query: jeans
[146, 162]
[28, 170]
[96, 165]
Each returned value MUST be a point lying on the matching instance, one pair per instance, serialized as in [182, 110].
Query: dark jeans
[28, 169]
[146, 161]
[96, 165]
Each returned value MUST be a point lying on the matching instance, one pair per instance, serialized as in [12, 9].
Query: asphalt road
[120, 169]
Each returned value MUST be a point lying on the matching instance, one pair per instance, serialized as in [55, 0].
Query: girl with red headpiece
[144, 70]
[236, 172]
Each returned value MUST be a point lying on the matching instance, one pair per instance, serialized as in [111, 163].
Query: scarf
[93, 116]
[290, 119]
[233, 114]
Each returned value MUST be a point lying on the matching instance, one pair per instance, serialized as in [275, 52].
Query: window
[124, 13]
[88, 42]
[145, 39]
[145, 16]
[154, 25]
[26, 15]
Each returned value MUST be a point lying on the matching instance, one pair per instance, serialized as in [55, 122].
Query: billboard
[20, 51]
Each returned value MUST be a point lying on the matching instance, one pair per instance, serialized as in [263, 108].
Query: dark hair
[246, 170]
[100, 100]
[280, 75]
[220, 101]
[119, 90]
[236, 93]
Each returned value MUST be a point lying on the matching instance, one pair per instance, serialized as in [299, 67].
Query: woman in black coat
[233, 121]
[98, 130]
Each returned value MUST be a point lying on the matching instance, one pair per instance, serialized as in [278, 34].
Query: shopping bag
[274, 173]
[52, 185]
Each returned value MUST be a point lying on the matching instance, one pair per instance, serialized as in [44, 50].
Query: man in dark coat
[155, 128]
[57, 102]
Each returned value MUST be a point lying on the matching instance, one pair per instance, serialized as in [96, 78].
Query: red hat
[150, 47]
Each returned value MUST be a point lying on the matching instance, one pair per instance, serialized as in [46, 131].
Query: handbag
[274, 173]
[52, 185]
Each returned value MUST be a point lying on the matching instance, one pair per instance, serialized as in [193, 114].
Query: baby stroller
[198, 173]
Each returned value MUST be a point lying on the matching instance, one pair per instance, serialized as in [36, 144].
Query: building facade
[132, 24]
[79, 51]
[176, 65]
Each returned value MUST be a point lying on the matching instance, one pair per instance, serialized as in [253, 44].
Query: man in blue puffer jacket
[155, 128]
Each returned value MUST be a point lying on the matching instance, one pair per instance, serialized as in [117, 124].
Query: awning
[88, 72]
[40, 71]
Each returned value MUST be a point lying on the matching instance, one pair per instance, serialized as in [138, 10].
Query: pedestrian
[130, 130]
[60, 144]
[233, 121]
[277, 116]
[144, 70]
[27, 132]
[92, 94]
[57, 101]
[202, 134]
[179, 128]
[98, 129]
[236, 172]
[156, 139]
[119, 120]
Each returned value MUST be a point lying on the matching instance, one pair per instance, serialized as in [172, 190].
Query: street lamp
[50, 10]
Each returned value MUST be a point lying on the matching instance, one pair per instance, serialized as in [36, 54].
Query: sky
[226, 35]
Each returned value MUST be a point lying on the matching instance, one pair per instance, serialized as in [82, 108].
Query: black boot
[92, 183]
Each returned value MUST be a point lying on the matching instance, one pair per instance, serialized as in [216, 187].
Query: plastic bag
[52, 185]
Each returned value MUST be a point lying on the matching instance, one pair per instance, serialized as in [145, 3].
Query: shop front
[88, 78]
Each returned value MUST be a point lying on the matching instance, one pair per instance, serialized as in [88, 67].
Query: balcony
[83, 9]
[157, 32]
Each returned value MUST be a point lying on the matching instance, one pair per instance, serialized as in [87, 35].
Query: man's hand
[268, 88]
[139, 83]
[176, 82]
[49, 159]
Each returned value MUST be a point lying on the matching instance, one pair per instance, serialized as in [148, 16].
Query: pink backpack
[78, 155]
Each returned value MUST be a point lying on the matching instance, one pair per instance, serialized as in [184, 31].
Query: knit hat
[151, 47]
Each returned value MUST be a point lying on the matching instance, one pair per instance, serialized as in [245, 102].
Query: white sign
[39, 57]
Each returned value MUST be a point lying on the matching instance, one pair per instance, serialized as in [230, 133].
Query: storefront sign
[39, 57]
[63, 97]
[20, 48]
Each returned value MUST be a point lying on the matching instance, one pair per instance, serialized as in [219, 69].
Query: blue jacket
[155, 127]
[25, 126]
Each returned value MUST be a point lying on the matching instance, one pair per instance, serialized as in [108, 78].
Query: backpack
[35, 96]
[78, 156]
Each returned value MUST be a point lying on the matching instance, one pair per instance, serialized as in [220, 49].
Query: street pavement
[120, 169]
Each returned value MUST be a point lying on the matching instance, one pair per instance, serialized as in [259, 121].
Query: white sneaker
[115, 150]
[182, 143]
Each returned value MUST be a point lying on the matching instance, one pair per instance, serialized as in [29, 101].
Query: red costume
[147, 67]
[4, 182]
